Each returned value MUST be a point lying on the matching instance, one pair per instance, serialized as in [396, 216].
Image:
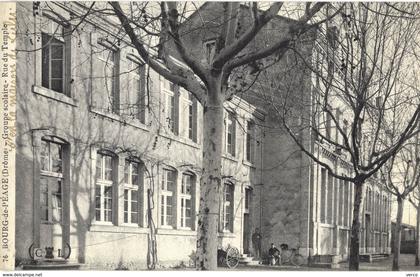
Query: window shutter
[176, 111]
[142, 97]
[195, 120]
[233, 135]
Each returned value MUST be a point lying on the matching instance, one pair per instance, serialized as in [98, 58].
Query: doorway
[246, 235]
[367, 233]
[247, 224]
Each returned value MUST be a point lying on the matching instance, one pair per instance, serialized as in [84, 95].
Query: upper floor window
[170, 105]
[104, 187]
[192, 118]
[247, 198]
[332, 36]
[167, 203]
[230, 134]
[132, 182]
[328, 126]
[345, 131]
[249, 144]
[209, 50]
[55, 57]
[109, 64]
[228, 207]
[136, 98]
[187, 197]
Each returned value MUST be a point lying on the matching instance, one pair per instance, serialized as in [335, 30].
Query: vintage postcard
[229, 136]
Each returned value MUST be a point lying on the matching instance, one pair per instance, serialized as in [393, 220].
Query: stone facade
[101, 135]
[88, 128]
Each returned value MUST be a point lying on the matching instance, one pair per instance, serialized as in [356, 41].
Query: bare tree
[402, 176]
[208, 79]
[414, 198]
[364, 81]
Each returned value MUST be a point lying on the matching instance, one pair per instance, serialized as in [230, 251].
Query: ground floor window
[132, 182]
[228, 207]
[104, 187]
[168, 185]
[186, 196]
[131, 206]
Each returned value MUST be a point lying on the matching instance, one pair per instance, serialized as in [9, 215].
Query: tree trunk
[397, 238]
[355, 227]
[210, 183]
[417, 262]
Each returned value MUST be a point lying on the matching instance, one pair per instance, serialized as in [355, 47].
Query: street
[406, 264]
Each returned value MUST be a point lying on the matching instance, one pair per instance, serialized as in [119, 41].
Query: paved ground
[406, 264]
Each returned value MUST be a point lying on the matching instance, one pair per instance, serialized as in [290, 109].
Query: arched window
[104, 181]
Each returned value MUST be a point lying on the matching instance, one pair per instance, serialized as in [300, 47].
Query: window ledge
[176, 232]
[60, 97]
[229, 157]
[132, 122]
[248, 163]
[226, 234]
[104, 227]
[180, 139]
[326, 225]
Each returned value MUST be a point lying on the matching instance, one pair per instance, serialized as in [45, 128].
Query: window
[209, 50]
[136, 98]
[250, 133]
[328, 126]
[345, 131]
[347, 207]
[167, 203]
[51, 182]
[170, 110]
[378, 102]
[332, 36]
[341, 203]
[247, 198]
[228, 207]
[192, 117]
[323, 194]
[104, 187]
[109, 62]
[55, 59]
[330, 207]
[51, 157]
[230, 134]
[378, 207]
[132, 183]
[187, 192]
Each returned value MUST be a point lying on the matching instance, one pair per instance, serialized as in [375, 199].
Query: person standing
[256, 243]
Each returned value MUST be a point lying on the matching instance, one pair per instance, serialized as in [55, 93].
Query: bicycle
[229, 257]
[291, 255]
